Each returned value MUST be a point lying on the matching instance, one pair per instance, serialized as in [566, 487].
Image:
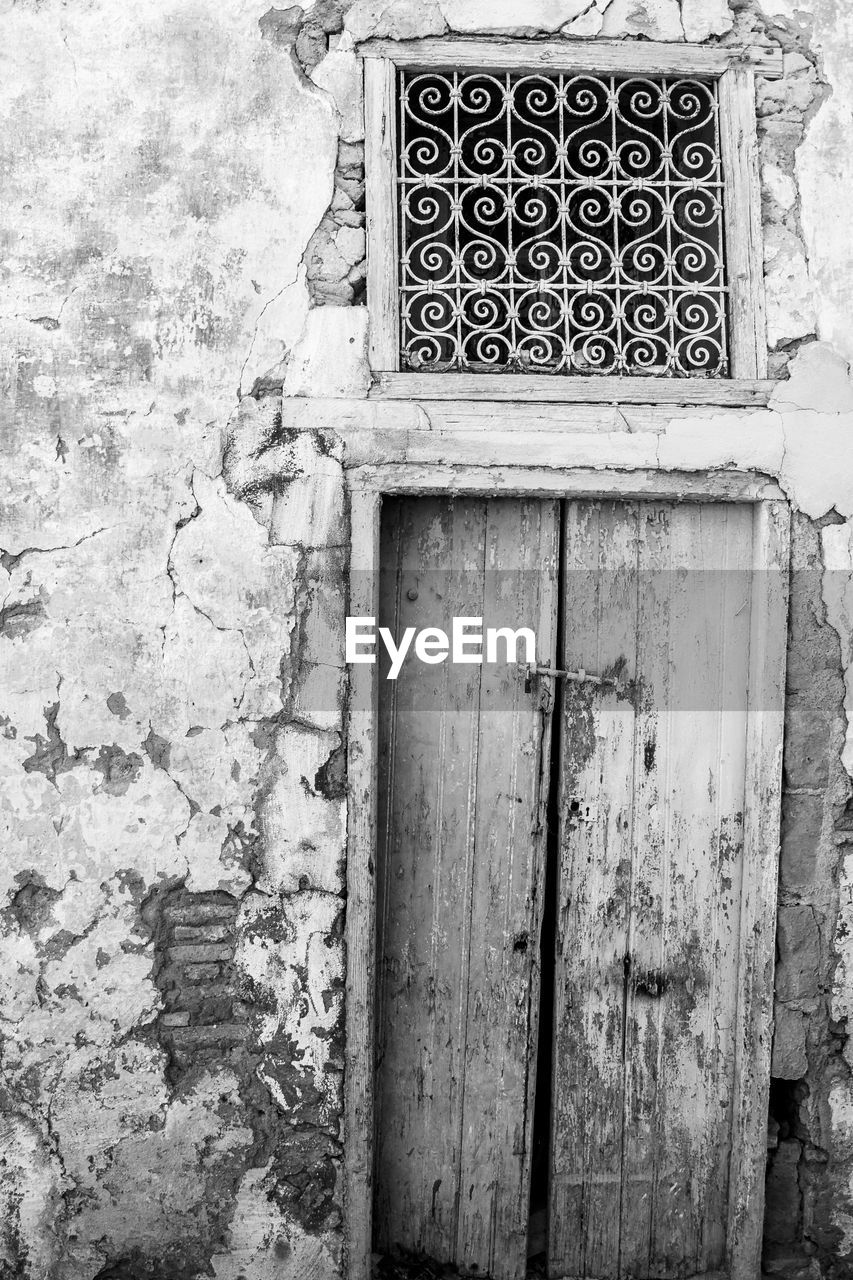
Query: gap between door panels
[537, 1241]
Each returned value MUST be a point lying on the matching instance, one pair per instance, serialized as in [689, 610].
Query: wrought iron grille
[560, 224]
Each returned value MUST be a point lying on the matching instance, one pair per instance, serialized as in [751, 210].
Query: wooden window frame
[367, 485]
[734, 69]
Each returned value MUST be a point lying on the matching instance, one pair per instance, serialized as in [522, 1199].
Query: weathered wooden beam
[380, 147]
[604, 57]
[413, 478]
[571, 390]
[742, 205]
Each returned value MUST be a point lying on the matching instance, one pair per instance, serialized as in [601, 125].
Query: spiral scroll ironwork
[560, 224]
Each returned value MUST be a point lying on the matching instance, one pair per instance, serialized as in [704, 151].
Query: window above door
[558, 220]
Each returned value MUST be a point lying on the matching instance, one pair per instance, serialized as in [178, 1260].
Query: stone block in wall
[789, 1045]
[808, 730]
[330, 359]
[340, 74]
[303, 815]
[703, 18]
[778, 140]
[802, 818]
[310, 510]
[788, 97]
[779, 189]
[654, 19]
[826, 1185]
[324, 616]
[798, 943]
[317, 696]
[394, 19]
[790, 304]
[509, 17]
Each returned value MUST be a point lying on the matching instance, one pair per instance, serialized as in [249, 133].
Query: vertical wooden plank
[742, 215]
[425, 863]
[708, 730]
[365, 508]
[642, 1042]
[380, 123]
[462, 745]
[768, 636]
[509, 875]
[683, 992]
[595, 807]
[683, 909]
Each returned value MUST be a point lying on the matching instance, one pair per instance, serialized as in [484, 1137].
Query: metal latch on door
[574, 677]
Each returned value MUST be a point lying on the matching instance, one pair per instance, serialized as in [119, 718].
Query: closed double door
[560, 887]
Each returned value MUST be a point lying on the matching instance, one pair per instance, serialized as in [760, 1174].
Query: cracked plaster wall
[184, 226]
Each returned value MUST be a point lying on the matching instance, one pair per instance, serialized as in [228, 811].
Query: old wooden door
[652, 802]
[460, 862]
[658, 912]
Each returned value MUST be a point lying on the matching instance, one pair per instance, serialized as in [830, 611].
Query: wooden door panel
[596, 780]
[693, 648]
[460, 865]
[644, 1051]
[423, 888]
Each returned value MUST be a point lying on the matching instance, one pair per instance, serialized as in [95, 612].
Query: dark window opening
[558, 223]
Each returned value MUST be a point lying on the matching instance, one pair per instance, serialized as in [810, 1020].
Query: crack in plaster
[10, 559]
[288, 285]
[179, 592]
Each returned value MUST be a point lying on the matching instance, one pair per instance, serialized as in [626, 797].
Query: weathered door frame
[367, 484]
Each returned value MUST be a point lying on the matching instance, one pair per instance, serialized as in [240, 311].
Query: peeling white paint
[305, 833]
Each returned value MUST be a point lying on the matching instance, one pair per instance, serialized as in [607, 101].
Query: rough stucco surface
[171, 1076]
[183, 183]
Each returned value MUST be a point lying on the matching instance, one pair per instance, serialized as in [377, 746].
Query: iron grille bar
[561, 223]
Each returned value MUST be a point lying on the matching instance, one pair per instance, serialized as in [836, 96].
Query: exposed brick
[193, 996]
[179, 1019]
[223, 1033]
[201, 954]
[189, 910]
[213, 932]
